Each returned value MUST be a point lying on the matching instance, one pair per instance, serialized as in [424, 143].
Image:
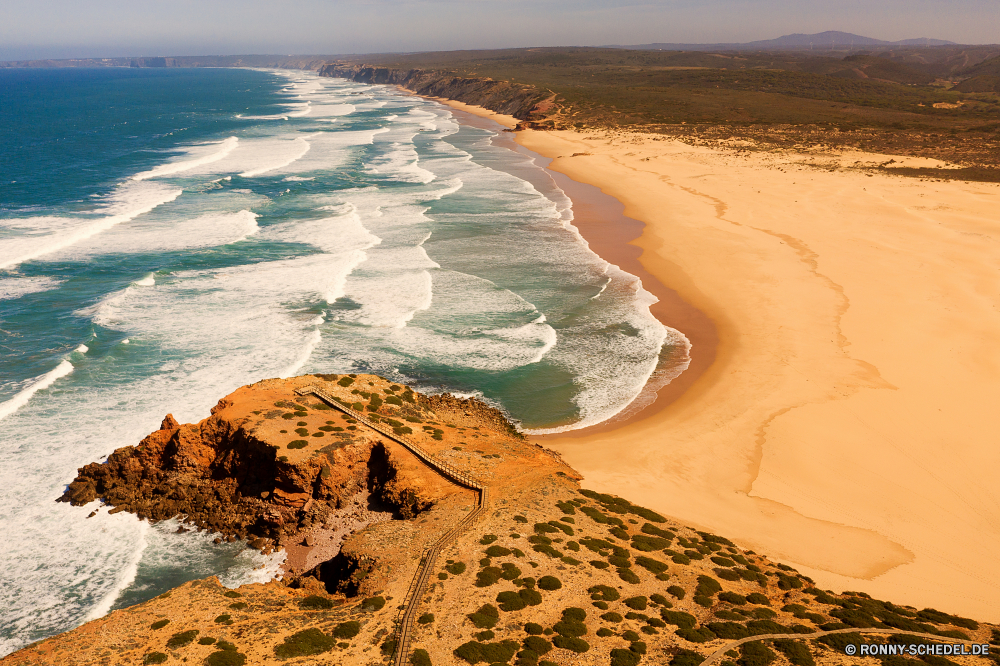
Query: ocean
[168, 235]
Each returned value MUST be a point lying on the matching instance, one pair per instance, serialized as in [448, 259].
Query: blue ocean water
[167, 236]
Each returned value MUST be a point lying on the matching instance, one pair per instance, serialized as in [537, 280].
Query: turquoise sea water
[167, 236]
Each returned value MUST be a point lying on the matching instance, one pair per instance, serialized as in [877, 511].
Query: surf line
[228, 146]
[42, 382]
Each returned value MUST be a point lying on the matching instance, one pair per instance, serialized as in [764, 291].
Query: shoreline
[601, 220]
[843, 427]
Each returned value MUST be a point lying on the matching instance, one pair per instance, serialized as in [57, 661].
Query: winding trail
[408, 614]
[721, 652]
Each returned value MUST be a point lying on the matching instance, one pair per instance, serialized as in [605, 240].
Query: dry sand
[844, 419]
[845, 425]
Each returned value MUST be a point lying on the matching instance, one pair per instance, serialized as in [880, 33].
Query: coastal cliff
[524, 102]
[547, 574]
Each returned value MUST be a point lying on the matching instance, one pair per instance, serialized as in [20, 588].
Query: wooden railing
[407, 616]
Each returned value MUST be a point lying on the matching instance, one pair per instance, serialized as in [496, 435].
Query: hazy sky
[93, 28]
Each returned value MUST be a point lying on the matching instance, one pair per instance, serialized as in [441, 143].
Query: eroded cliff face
[520, 101]
[267, 465]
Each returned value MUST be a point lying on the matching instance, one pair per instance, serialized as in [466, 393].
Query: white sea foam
[48, 235]
[302, 112]
[302, 147]
[169, 234]
[16, 287]
[147, 281]
[82, 349]
[225, 147]
[125, 575]
[36, 385]
[271, 117]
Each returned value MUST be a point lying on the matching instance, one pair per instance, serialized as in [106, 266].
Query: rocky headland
[524, 102]
[550, 574]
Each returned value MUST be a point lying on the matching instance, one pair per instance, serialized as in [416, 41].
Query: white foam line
[128, 574]
[83, 349]
[147, 281]
[257, 172]
[304, 112]
[228, 146]
[82, 234]
[45, 381]
[311, 343]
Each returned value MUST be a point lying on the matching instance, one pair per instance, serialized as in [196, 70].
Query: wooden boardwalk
[407, 616]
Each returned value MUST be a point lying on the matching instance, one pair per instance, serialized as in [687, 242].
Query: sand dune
[848, 424]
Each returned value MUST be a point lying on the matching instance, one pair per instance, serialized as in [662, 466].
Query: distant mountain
[829, 40]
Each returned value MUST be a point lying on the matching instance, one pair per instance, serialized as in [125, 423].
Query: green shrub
[510, 572]
[700, 635]
[533, 628]
[758, 598]
[181, 639]
[373, 604]
[733, 598]
[154, 658]
[520, 519]
[547, 550]
[647, 543]
[297, 444]
[549, 583]
[599, 564]
[619, 532]
[628, 576]
[545, 528]
[676, 591]
[603, 605]
[389, 646]
[648, 563]
[728, 630]
[678, 618]
[225, 645]
[660, 599]
[488, 576]
[566, 508]
[510, 601]
[755, 654]
[604, 632]
[159, 624]
[656, 531]
[232, 594]
[530, 597]
[485, 618]
[474, 652]
[239, 605]
[456, 568]
[707, 587]
[347, 630]
[426, 618]
[937, 617]
[686, 658]
[723, 561]
[612, 617]
[345, 381]
[304, 643]
[420, 657]
[497, 551]
[636, 603]
[226, 658]
[315, 602]
[537, 644]
[647, 514]
[571, 643]
[604, 593]
[795, 652]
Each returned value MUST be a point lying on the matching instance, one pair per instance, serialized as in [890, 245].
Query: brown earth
[670, 594]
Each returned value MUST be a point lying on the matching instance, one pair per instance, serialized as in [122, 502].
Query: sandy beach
[840, 418]
[845, 425]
